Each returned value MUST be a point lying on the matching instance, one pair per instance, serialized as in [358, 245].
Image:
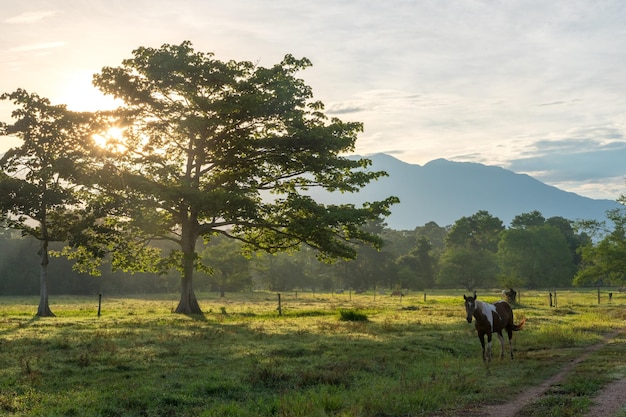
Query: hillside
[443, 191]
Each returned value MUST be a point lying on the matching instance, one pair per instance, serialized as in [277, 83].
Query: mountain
[444, 191]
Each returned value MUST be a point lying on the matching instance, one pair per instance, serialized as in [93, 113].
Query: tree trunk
[44, 308]
[189, 234]
[188, 303]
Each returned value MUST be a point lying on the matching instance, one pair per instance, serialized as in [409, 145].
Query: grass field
[415, 356]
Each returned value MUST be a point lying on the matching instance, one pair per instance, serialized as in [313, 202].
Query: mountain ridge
[443, 191]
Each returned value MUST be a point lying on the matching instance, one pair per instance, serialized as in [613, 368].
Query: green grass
[409, 358]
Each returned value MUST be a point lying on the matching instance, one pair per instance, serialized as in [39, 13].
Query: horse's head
[470, 306]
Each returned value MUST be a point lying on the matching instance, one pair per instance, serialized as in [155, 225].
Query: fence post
[555, 302]
[550, 299]
[99, 303]
[280, 308]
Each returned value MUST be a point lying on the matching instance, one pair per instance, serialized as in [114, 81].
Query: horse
[492, 318]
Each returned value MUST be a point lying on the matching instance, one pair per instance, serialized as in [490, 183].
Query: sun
[112, 139]
[78, 94]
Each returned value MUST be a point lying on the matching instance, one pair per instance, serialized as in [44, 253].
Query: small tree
[605, 261]
[38, 179]
[230, 148]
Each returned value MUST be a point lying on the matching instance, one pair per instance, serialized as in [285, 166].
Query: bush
[352, 315]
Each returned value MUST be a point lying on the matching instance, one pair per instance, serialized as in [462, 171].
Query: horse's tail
[520, 326]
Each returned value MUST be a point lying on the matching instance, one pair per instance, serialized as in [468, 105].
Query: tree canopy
[480, 231]
[535, 256]
[526, 220]
[230, 148]
[469, 258]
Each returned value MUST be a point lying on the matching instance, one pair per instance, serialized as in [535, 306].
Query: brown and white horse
[492, 318]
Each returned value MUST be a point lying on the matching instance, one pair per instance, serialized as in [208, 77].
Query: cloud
[38, 46]
[389, 101]
[575, 159]
[607, 188]
[31, 17]
[343, 108]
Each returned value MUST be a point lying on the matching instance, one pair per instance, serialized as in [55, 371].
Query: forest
[204, 172]
[475, 252]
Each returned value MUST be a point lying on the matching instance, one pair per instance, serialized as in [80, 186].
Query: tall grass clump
[352, 315]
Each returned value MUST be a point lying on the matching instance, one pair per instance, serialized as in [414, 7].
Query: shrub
[352, 315]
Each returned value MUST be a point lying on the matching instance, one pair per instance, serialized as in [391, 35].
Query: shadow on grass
[20, 325]
[196, 316]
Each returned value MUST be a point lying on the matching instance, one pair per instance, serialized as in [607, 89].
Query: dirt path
[610, 400]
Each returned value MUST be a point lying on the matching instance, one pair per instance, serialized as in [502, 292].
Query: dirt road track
[611, 400]
[608, 402]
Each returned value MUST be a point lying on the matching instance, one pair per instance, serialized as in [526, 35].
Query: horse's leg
[510, 333]
[481, 337]
[501, 338]
[489, 335]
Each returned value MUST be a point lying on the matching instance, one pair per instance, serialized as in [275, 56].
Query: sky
[533, 86]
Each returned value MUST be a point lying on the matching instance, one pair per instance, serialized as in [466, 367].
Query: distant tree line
[475, 252]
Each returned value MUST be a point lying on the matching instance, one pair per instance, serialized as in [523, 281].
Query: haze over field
[531, 86]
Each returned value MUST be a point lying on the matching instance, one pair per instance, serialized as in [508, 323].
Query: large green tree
[480, 231]
[525, 264]
[230, 148]
[38, 182]
[575, 239]
[470, 246]
[535, 256]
